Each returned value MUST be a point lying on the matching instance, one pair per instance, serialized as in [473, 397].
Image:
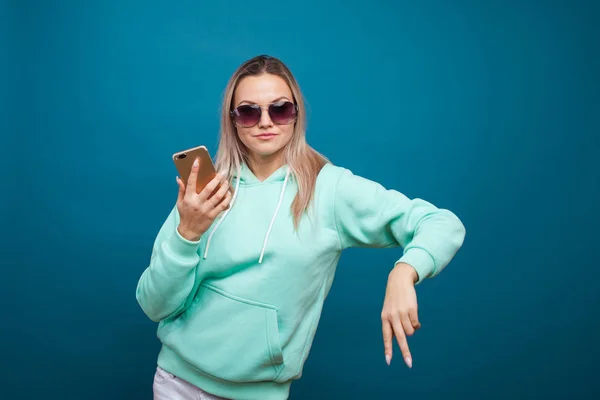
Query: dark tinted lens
[283, 112]
[247, 115]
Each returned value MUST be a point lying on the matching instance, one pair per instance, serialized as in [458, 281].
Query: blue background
[490, 109]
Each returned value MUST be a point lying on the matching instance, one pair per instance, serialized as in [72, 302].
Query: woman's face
[266, 138]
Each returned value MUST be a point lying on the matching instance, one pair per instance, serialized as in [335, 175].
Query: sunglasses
[281, 113]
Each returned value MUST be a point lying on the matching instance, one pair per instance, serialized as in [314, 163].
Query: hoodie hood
[247, 177]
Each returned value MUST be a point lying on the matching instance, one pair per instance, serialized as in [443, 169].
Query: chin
[265, 151]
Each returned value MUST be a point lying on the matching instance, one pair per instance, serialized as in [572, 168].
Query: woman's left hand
[399, 315]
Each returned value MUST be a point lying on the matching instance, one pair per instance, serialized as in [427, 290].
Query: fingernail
[196, 162]
[223, 173]
[408, 362]
[388, 359]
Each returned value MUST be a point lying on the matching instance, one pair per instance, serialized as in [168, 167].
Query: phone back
[185, 159]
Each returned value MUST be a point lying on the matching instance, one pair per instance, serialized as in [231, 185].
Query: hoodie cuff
[180, 246]
[421, 261]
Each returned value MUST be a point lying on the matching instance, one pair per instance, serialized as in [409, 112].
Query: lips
[267, 135]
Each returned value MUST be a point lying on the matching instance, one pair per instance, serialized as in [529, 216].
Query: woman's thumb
[181, 189]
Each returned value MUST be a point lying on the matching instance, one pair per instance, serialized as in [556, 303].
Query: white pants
[169, 387]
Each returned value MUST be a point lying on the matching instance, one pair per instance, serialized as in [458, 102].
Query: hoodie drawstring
[237, 185]
[235, 192]
[262, 253]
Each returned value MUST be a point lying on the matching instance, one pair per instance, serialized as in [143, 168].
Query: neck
[263, 166]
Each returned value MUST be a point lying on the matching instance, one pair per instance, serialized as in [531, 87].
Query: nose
[265, 118]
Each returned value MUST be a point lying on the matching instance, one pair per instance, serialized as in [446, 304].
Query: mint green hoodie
[238, 309]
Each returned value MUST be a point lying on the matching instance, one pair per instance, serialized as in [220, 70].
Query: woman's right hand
[196, 210]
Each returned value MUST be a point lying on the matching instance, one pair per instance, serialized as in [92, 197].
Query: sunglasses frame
[262, 109]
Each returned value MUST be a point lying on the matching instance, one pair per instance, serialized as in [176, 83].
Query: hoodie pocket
[228, 337]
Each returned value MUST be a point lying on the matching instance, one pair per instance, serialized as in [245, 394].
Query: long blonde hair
[304, 162]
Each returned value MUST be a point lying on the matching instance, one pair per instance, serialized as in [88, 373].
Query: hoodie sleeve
[369, 215]
[165, 285]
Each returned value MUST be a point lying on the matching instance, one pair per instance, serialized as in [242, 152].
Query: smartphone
[206, 169]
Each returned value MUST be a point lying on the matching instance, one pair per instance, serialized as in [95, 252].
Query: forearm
[437, 237]
[167, 282]
[406, 271]
[368, 215]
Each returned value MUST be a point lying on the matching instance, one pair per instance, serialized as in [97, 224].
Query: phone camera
[181, 156]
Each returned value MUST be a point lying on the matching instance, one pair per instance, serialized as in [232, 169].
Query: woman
[237, 281]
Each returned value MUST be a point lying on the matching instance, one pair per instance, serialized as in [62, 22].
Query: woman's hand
[399, 315]
[197, 211]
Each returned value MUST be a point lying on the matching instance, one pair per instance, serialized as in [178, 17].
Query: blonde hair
[304, 162]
